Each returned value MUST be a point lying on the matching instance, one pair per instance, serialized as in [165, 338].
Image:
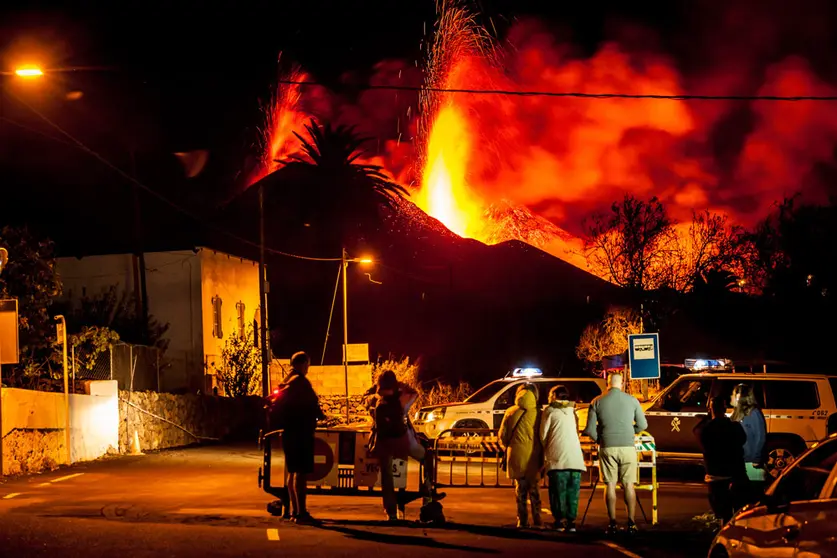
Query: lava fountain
[445, 132]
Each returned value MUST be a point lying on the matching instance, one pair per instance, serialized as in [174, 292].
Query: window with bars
[217, 329]
[257, 328]
[239, 308]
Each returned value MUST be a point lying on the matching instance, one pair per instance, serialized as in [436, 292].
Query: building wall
[233, 280]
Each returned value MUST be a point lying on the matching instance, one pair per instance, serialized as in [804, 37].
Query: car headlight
[436, 414]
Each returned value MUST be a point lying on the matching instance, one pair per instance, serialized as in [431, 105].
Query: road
[205, 502]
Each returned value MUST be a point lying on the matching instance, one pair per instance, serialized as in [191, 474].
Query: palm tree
[328, 187]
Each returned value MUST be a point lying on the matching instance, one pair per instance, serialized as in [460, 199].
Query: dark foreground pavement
[206, 502]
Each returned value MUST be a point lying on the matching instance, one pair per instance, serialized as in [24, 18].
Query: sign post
[644, 356]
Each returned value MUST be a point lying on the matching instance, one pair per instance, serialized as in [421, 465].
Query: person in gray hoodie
[614, 419]
[563, 458]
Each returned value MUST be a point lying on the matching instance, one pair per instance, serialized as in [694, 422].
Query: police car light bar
[526, 372]
[700, 364]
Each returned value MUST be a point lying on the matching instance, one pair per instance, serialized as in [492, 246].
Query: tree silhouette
[328, 185]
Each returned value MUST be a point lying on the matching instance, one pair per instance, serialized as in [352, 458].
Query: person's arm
[591, 430]
[504, 431]
[640, 422]
[544, 429]
[761, 434]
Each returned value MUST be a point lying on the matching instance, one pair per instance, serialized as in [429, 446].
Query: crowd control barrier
[343, 466]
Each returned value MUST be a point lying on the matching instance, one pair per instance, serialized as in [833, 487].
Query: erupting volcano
[531, 168]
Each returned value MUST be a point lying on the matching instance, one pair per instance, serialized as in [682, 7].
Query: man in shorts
[614, 419]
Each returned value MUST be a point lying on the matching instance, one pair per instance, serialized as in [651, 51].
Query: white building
[204, 295]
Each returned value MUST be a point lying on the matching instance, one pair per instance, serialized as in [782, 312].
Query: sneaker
[612, 529]
[570, 527]
[559, 525]
[631, 528]
[305, 519]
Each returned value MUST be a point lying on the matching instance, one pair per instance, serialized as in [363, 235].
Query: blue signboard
[644, 356]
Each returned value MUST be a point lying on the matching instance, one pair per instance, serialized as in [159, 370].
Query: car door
[774, 528]
[504, 400]
[674, 415]
[817, 533]
[583, 392]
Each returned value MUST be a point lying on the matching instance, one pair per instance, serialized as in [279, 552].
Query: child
[563, 458]
[518, 436]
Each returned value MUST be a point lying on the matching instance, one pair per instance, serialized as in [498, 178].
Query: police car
[485, 408]
[799, 410]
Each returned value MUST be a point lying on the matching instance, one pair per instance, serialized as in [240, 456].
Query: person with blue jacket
[747, 412]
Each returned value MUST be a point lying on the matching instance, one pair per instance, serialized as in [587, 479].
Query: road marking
[273, 534]
[43, 484]
[220, 511]
[618, 548]
[10, 496]
[68, 477]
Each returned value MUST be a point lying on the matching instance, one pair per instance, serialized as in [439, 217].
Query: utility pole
[139, 251]
[263, 290]
[62, 338]
[345, 263]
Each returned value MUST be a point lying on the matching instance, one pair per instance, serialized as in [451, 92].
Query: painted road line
[10, 496]
[68, 477]
[43, 484]
[220, 511]
[273, 534]
[618, 548]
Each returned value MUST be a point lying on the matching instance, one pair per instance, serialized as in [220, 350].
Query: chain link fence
[134, 367]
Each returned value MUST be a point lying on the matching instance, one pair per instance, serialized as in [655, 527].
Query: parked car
[797, 516]
[486, 407]
[799, 410]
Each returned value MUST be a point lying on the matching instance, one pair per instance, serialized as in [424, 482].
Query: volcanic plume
[499, 167]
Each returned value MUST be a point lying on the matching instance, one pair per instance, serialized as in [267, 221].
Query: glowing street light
[29, 72]
[345, 261]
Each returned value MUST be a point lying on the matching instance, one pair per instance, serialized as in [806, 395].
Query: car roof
[548, 378]
[755, 376]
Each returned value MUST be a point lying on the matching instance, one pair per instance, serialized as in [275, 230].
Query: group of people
[536, 443]
[733, 451]
[547, 442]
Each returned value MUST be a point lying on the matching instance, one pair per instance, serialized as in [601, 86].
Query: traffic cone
[135, 445]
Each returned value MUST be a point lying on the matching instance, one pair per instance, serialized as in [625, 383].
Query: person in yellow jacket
[519, 438]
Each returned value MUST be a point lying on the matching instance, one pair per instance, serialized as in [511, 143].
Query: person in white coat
[563, 458]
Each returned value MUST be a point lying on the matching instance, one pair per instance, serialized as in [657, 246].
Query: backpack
[390, 420]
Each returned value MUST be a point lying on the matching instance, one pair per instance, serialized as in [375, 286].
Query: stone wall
[155, 417]
[334, 407]
[33, 451]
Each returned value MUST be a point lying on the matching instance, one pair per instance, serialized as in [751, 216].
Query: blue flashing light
[706, 364]
[527, 372]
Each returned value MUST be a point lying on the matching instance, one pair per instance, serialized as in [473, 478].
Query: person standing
[722, 441]
[518, 437]
[300, 408]
[747, 412]
[395, 438]
[563, 457]
[613, 421]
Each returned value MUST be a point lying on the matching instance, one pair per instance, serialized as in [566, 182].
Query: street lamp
[345, 261]
[29, 72]
[62, 338]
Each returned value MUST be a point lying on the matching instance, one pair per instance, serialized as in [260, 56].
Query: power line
[78, 143]
[575, 94]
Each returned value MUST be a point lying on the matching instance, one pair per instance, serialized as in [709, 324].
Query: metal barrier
[646, 450]
[343, 467]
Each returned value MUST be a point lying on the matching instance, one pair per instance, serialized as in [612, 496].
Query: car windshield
[487, 391]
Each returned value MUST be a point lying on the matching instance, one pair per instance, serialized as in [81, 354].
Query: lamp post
[62, 338]
[4, 259]
[345, 261]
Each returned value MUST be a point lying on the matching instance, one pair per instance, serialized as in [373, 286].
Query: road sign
[9, 344]
[644, 356]
[368, 468]
[325, 464]
[358, 352]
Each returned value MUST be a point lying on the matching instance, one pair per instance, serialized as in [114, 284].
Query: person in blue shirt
[747, 412]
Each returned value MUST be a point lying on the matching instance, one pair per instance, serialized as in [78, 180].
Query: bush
[241, 373]
[408, 373]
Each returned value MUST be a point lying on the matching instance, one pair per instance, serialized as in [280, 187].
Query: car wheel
[719, 552]
[780, 455]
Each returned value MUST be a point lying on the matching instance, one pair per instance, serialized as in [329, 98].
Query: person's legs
[561, 494]
[535, 501]
[388, 487]
[628, 468]
[720, 499]
[609, 470]
[521, 492]
[630, 501]
[610, 501]
[301, 489]
[573, 491]
[554, 492]
[292, 494]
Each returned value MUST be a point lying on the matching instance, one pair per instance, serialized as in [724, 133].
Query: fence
[134, 367]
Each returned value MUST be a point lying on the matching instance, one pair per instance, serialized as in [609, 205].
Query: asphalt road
[206, 502]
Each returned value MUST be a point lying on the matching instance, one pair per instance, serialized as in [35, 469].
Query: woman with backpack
[563, 457]
[519, 438]
[395, 438]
